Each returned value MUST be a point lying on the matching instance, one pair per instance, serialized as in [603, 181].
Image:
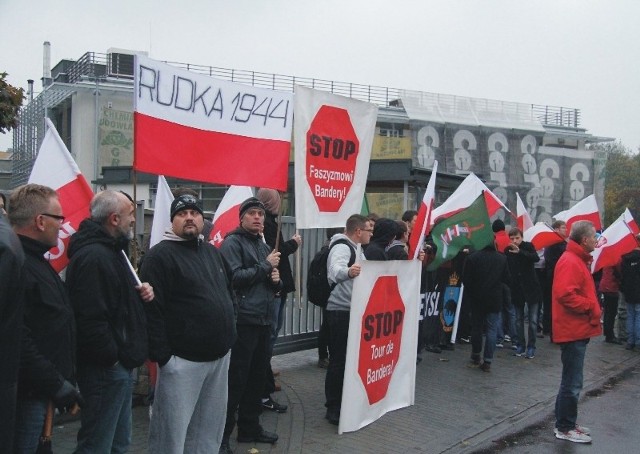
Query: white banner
[199, 101]
[380, 369]
[333, 141]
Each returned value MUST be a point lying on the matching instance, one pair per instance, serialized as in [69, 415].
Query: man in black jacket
[191, 327]
[270, 198]
[110, 322]
[47, 361]
[525, 290]
[256, 280]
[485, 272]
[11, 309]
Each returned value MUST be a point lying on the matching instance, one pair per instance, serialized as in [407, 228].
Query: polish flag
[189, 125]
[628, 218]
[424, 215]
[162, 211]
[541, 236]
[468, 191]
[616, 240]
[584, 210]
[54, 167]
[522, 215]
[227, 216]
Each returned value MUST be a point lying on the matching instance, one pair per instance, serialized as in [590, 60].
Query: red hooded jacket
[575, 311]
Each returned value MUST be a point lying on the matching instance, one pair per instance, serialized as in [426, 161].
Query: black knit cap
[251, 202]
[185, 202]
[497, 226]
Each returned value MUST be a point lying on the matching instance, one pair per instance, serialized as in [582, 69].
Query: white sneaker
[583, 429]
[573, 435]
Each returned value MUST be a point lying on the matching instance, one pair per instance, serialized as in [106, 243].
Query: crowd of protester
[209, 317]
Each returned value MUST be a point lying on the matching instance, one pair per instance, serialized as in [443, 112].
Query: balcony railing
[118, 66]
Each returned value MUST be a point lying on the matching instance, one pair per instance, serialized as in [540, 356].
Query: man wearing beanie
[256, 281]
[191, 327]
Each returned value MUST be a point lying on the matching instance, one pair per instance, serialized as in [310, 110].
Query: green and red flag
[469, 227]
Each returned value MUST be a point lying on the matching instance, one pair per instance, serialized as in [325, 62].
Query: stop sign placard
[332, 148]
[381, 337]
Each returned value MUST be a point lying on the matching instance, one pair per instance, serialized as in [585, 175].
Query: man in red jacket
[576, 319]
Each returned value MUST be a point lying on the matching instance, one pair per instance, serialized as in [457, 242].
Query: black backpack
[318, 287]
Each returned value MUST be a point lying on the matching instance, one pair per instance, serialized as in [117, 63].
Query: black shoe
[262, 437]
[433, 349]
[613, 340]
[272, 405]
[448, 347]
[333, 416]
[485, 367]
[225, 448]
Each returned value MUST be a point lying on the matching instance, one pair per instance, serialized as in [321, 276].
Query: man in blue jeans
[47, 362]
[576, 318]
[525, 290]
[110, 322]
[484, 276]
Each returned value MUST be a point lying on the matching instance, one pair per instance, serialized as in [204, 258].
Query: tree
[10, 103]
[622, 186]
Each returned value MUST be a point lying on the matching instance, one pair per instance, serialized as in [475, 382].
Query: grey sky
[582, 54]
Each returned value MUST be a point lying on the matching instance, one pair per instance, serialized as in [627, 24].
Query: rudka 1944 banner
[333, 141]
[380, 370]
[188, 125]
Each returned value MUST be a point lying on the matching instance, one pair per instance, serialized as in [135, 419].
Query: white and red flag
[192, 126]
[227, 216]
[423, 221]
[523, 217]
[161, 211]
[628, 218]
[333, 141]
[541, 236]
[616, 240]
[55, 167]
[584, 210]
[468, 191]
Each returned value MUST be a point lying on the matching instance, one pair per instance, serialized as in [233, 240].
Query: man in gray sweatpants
[191, 326]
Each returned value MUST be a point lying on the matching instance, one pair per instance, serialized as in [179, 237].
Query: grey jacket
[247, 254]
[337, 272]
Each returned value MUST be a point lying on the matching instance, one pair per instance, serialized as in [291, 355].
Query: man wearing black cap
[256, 281]
[191, 327]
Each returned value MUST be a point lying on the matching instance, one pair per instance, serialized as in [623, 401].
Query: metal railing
[93, 64]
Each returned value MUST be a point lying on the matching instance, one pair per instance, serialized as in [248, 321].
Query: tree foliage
[10, 102]
[622, 182]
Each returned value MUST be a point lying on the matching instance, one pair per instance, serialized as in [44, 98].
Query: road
[611, 413]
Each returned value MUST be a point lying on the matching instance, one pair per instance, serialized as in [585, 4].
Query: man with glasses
[47, 363]
[342, 267]
[110, 322]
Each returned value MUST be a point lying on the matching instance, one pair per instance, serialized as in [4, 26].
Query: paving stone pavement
[457, 409]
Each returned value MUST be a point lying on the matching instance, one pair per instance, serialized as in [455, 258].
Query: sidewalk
[457, 409]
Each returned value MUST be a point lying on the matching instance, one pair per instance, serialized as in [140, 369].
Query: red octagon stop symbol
[332, 152]
[381, 337]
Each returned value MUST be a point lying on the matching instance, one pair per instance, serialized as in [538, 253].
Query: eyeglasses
[54, 216]
[367, 230]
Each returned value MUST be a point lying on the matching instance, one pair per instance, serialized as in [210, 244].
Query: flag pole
[134, 255]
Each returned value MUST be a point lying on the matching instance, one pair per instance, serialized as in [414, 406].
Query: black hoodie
[192, 315]
[110, 319]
